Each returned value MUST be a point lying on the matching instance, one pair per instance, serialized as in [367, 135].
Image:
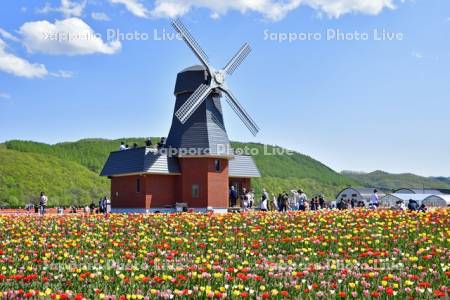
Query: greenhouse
[391, 199]
[437, 201]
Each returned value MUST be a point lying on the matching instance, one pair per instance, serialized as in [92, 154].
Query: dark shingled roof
[150, 161]
[243, 166]
[139, 160]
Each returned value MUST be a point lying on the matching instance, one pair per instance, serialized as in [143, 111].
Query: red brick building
[196, 166]
[143, 179]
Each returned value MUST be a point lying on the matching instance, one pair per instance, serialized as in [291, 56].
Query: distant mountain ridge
[443, 179]
[69, 172]
[390, 182]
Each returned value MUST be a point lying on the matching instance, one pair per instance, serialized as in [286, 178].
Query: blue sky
[356, 105]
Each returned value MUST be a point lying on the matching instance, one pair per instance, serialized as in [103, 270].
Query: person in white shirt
[263, 205]
[108, 205]
[43, 203]
[302, 199]
[251, 198]
[374, 200]
[122, 146]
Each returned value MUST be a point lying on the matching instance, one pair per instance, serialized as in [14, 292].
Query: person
[251, 198]
[107, 205]
[122, 146]
[422, 208]
[353, 202]
[349, 204]
[313, 203]
[135, 145]
[104, 204]
[285, 201]
[413, 205]
[127, 147]
[280, 202]
[148, 142]
[339, 203]
[374, 199]
[321, 202]
[274, 203]
[92, 207]
[398, 205]
[43, 200]
[161, 143]
[403, 205]
[100, 205]
[263, 205]
[244, 199]
[302, 198]
[264, 197]
[233, 196]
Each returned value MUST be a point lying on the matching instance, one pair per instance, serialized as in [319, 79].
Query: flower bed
[330, 254]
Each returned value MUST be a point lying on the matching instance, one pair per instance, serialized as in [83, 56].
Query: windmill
[216, 81]
[200, 178]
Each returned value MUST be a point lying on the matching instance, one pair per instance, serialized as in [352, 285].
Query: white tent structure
[357, 194]
[418, 191]
[437, 201]
[391, 199]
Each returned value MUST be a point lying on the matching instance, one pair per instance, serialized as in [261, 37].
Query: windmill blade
[237, 59]
[188, 108]
[191, 42]
[240, 111]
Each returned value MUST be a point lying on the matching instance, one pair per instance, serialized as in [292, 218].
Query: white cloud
[5, 96]
[6, 35]
[270, 9]
[99, 16]
[336, 8]
[10, 63]
[68, 8]
[133, 6]
[417, 55]
[62, 74]
[68, 37]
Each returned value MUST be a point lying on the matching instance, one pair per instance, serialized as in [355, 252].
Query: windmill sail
[216, 80]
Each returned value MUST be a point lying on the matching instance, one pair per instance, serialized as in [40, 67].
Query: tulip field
[352, 254]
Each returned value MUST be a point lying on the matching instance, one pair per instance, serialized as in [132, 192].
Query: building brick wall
[124, 194]
[158, 191]
[213, 185]
[162, 190]
[218, 184]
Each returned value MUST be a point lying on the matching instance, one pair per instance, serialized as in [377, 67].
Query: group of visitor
[124, 146]
[148, 143]
[281, 203]
[246, 197]
[414, 206]
[374, 202]
[104, 206]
